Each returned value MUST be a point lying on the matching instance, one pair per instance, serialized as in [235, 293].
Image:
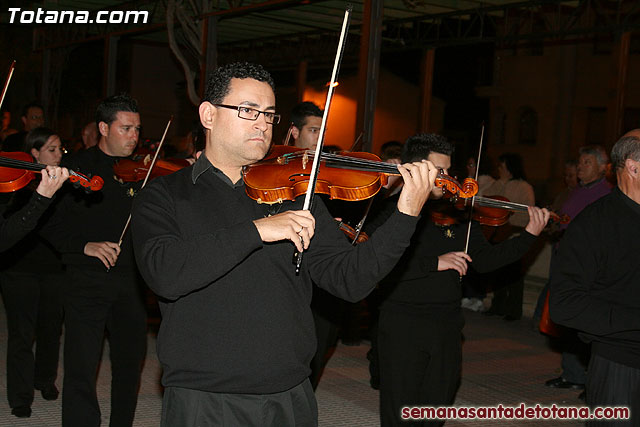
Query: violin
[493, 211]
[128, 170]
[17, 169]
[284, 175]
[351, 233]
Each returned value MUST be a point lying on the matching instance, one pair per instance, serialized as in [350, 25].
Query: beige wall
[396, 116]
[561, 85]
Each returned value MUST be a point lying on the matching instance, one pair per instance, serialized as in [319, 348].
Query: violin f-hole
[293, 177]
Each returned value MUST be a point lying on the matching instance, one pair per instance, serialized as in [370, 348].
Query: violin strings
[20, 164]
[484, 201]
[360, 164]
[23, 164]
[373, 164]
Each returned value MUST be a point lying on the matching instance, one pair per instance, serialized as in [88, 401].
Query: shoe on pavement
[21, 411]
[562, 383]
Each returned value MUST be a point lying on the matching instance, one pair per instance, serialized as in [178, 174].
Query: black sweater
[20, 223]
[595, 278]
[31, 254]
[96, 217]
[235, 317]
[415, 285]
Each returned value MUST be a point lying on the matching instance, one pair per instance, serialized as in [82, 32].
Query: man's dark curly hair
[303, 110]
[109, 108]
[419, 146]
[218, 81]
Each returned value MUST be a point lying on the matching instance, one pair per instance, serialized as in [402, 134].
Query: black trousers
[34, 312]
[185, 407]
[612, 384]
[420, 362]
[327, 313]
[95, 301]
[509, 290]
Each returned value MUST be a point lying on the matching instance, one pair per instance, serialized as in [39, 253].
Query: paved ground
[503, 363]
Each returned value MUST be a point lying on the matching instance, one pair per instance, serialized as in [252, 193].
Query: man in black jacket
[420, 324]
[237, 333]
[595, 284]
[103, 290]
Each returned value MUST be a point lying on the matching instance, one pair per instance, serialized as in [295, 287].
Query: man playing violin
[103, 290]
[420, 323]
[237, 333]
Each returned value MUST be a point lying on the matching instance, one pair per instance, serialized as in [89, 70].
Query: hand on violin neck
[297, 226]
[538, 219]
[52, 179]
[454, 261]
[419, 178]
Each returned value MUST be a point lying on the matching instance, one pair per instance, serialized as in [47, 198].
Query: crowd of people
[244, 337]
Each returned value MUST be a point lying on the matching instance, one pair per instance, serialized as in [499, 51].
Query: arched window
[528, 126]
[499, 126]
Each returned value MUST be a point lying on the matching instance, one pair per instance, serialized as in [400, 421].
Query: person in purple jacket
[592, 168]
[594, 288]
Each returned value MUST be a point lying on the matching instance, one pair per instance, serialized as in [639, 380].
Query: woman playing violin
[420, 324]
[237, 328]
[31, 279]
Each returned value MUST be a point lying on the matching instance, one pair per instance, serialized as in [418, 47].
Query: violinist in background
[31, 279]
[103, 290]
[328, 310]
[237, 333]
[90, 135]
[32, 117]
[5, 124]
[420, 324]
[306, 119]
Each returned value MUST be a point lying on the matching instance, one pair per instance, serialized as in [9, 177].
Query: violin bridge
[260, 201]
[305, 160]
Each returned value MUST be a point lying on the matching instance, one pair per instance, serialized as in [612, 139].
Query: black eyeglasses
[249, 113]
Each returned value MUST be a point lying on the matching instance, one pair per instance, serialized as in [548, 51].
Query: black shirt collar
[627, 200]
[593, 183]
[203, 164]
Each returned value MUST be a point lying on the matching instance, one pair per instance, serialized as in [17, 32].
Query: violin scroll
[83, 181]
[469, 187]
[559, 218]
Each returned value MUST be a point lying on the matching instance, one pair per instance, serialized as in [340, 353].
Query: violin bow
[308, 200]
[146, 178]
[473, 199]
[6, 83]
[286, 140]
[356, 142]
